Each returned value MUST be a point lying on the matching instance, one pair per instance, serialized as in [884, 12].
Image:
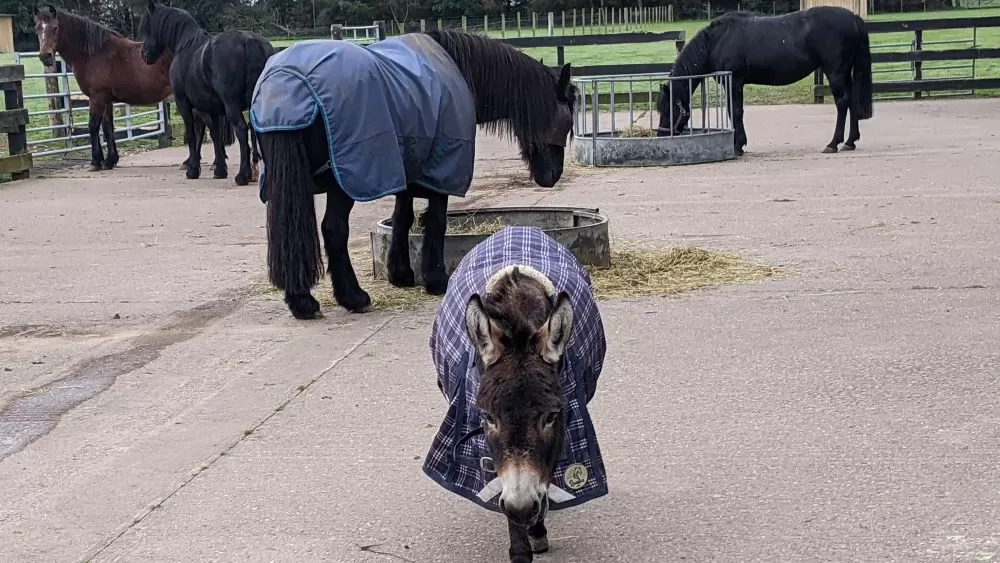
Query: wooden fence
[13, 121]
[917, 55]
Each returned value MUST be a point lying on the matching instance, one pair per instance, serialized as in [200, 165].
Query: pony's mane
[85, 33]
[177, 26]
[501, 77]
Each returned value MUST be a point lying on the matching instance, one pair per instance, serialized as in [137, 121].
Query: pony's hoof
[539, 545]
[435, 283]
[193, 173]
[521, 559]
[220, 174]
[303, 307]
[739, 152]
[829, 150]
[110, 164]
[848, 147]
[399, 277]
[95, 168]
[242, 179]
[358, 303]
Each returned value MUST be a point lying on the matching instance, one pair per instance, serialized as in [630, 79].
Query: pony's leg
[199, 133]
[97, 108]
[740, 138]
[108, 126]
[840, 87]
[855, 133]
[538, 537]
[219, 169]
[520, 545]
[194, 140]
[432, 251]
[336, 230]
[398, 262]
[235, 115]
[254, 156]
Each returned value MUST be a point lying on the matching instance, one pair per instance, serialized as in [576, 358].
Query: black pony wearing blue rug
[396, 118]
[777, 51]
[212, 74]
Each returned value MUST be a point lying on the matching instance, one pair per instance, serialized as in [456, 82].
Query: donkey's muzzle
[522, 514]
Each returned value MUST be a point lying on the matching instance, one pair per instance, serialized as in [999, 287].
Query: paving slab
[845, 413]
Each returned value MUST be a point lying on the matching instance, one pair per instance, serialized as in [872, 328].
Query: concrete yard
[154, 409]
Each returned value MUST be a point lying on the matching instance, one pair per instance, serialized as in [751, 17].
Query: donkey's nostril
[535, 507]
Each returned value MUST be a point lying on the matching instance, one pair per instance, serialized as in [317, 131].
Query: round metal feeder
[583, 231]
[620, 134]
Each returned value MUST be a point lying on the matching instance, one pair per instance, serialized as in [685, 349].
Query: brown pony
[109, 69]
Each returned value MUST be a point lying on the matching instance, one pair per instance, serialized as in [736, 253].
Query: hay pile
[635, 272]
[469, 225]
[636, 131]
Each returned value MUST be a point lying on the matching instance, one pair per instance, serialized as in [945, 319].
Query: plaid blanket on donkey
[396, 112]
[454, 457]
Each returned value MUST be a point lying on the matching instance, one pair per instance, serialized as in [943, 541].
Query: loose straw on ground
[633, 272]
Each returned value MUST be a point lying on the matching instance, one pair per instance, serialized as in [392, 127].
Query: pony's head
[47, 30]
[517, 97]
[674, 108]
[520, 331]
[153, 44]
[545, 156]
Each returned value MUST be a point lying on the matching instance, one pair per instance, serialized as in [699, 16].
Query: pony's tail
[861, 96]
[294, 261]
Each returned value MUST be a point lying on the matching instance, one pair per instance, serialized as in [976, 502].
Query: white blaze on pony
[518, 345]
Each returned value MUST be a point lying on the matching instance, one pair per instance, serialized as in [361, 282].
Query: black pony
[484, 82]
[777, 51]
[212, 74]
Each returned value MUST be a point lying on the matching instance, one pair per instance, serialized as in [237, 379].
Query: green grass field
[645, 53]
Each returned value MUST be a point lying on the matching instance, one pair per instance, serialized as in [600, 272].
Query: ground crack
[371, 549]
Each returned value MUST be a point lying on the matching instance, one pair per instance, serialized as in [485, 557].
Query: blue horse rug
[396, 112]
[454, 457]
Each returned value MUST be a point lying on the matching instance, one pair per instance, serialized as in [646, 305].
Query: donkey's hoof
[848, 147]
[360, 302]
[303, 307]
[400, 277]
[436, 283]
[829, 150]
[539, 545]
[193, 173]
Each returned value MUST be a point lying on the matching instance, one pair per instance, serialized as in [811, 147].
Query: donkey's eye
[552, 418]
[489, 420]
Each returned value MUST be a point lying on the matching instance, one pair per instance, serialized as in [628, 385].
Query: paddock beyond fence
[59, 113]
[13, 121]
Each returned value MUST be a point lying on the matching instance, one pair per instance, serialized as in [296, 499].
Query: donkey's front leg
[520, 546]
[400, 272]
[432, 253]
[538, 536]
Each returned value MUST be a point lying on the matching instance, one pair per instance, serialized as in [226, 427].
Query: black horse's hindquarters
[781, 50]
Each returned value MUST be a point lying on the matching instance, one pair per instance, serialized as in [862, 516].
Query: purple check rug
[454, 457]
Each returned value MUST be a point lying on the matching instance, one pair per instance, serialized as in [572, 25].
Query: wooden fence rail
[13, 121]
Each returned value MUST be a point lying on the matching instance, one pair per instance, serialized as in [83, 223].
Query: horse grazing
[396, 118]
[213, 74]
[109, 70]
[777, 51]
[518, 346]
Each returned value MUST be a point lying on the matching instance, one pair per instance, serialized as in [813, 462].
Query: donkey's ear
[555, 333]
[51, 9]
[483, 334]
[150, 5]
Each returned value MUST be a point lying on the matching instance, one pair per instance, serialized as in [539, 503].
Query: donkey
[518, 345]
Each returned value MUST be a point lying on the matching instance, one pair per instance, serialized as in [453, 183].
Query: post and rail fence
[13, 122]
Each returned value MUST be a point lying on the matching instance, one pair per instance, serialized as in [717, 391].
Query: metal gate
[59, 113]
